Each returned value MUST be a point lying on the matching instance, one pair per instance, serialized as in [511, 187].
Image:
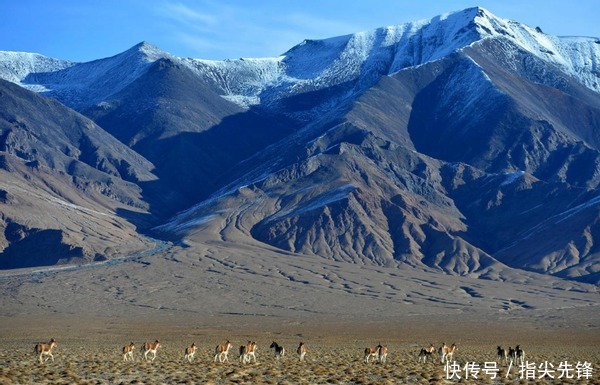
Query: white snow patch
[577, 209]
[15, 66]
[191, 223]
[190, 218]
[331, 196]
[355, 61]
[512, 177]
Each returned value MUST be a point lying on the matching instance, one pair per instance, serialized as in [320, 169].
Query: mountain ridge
[406, 144]
[435, 38]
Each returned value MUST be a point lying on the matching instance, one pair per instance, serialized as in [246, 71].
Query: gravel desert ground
[89, 351]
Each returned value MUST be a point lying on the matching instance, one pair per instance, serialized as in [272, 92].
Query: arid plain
[90, 353]
[217, 290]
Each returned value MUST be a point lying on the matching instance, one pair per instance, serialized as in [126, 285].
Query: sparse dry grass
[331, 360]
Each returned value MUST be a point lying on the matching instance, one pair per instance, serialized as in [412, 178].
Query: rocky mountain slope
[68, 189]
[466, 144]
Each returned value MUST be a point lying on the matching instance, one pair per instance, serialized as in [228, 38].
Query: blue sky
[81, 30]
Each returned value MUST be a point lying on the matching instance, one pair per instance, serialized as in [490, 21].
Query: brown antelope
[150, 348]
[45, 350]
[128, 352]
[383, 352]
[426, 352]
[301, 351]
[447, 352]
[247, 351]
[251, 348]
[372, 352]
[221, 352]
[190, 352]
[279, 350]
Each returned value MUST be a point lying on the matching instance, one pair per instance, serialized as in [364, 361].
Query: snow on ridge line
[577, 209]
[511, 177]
[556, 219]
[315, 64]
[81, 85]
[326, 198]
[362, 57]
[242, 80]
[14, 66]
[577, 56]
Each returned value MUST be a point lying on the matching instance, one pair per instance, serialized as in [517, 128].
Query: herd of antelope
[445, 352]
[378, 353]
[247, 353]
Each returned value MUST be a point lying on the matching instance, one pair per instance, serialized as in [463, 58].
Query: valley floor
[89, 351]
[210, 292]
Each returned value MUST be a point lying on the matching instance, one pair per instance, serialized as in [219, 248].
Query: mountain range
[465, 145]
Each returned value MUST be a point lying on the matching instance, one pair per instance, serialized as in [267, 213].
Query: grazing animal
[372, 352]
[128, 352]
[45, 350]
[150, 348]
[251, 348]
[301, 351]
[519, 354]
[383, 352]
[426, 352]
[446, 352]
[248, 351]
[502, 355]
[279, 350]
[190, 352]
[221, 352]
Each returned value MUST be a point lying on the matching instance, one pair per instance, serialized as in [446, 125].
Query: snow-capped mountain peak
[360, 59]
[576, 56]
[353, 62]
[149, 51]
[15, 66]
